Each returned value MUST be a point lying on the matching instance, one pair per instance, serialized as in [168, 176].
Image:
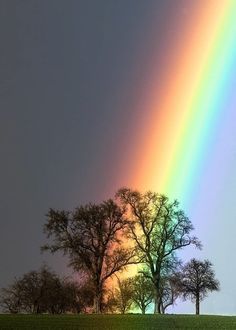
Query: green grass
[116, 322]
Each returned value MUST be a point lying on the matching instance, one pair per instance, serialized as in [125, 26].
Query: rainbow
[184, 119]
[186, 114]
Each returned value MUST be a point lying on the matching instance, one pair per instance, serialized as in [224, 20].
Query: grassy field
[116, 322]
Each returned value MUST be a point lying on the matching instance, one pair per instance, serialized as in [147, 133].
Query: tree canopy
[102, 241]
[196, 280]
[91, 237]
[159, 228]
[43, 291]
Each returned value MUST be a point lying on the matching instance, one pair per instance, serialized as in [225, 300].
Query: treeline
[43, 291]
[103, 240]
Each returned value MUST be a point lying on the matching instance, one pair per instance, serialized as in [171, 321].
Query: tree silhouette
[43, 291]
[169, 291]
[196, 279]
[159, 229]
[142, 292]
[91, 237]
[10, 299]
[123, 295]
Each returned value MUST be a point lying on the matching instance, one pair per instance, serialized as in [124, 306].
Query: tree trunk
[160, 305]
[197, 305]
[143, 309]
[162, 308]
[157, 308]
[38, 309]
[97, 303]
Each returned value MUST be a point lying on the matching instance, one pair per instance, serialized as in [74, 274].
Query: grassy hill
[116, 322]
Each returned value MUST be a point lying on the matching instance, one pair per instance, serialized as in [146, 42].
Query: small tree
[33, 289]
[91, 237]
[43, 291]
[84, 297]
[123, 295]
[196, 279]
[110, 303]
[142, 292]
[169, 292]
[10, 299]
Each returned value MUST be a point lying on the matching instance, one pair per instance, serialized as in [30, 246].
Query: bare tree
[10, 299]
[91, 237]
[159, 229]
[84, 296]
[43, 291]
[123, 295]
[110, 302]
[196, 279]
[169, 292]
[142, 292]
[31, 288]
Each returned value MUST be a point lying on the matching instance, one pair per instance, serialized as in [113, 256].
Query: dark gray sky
[69, 70]
[70, 74]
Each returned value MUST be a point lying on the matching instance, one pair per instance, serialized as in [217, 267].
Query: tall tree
[159, 228]
[91, 237]
[196, 279]
[142, 292]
